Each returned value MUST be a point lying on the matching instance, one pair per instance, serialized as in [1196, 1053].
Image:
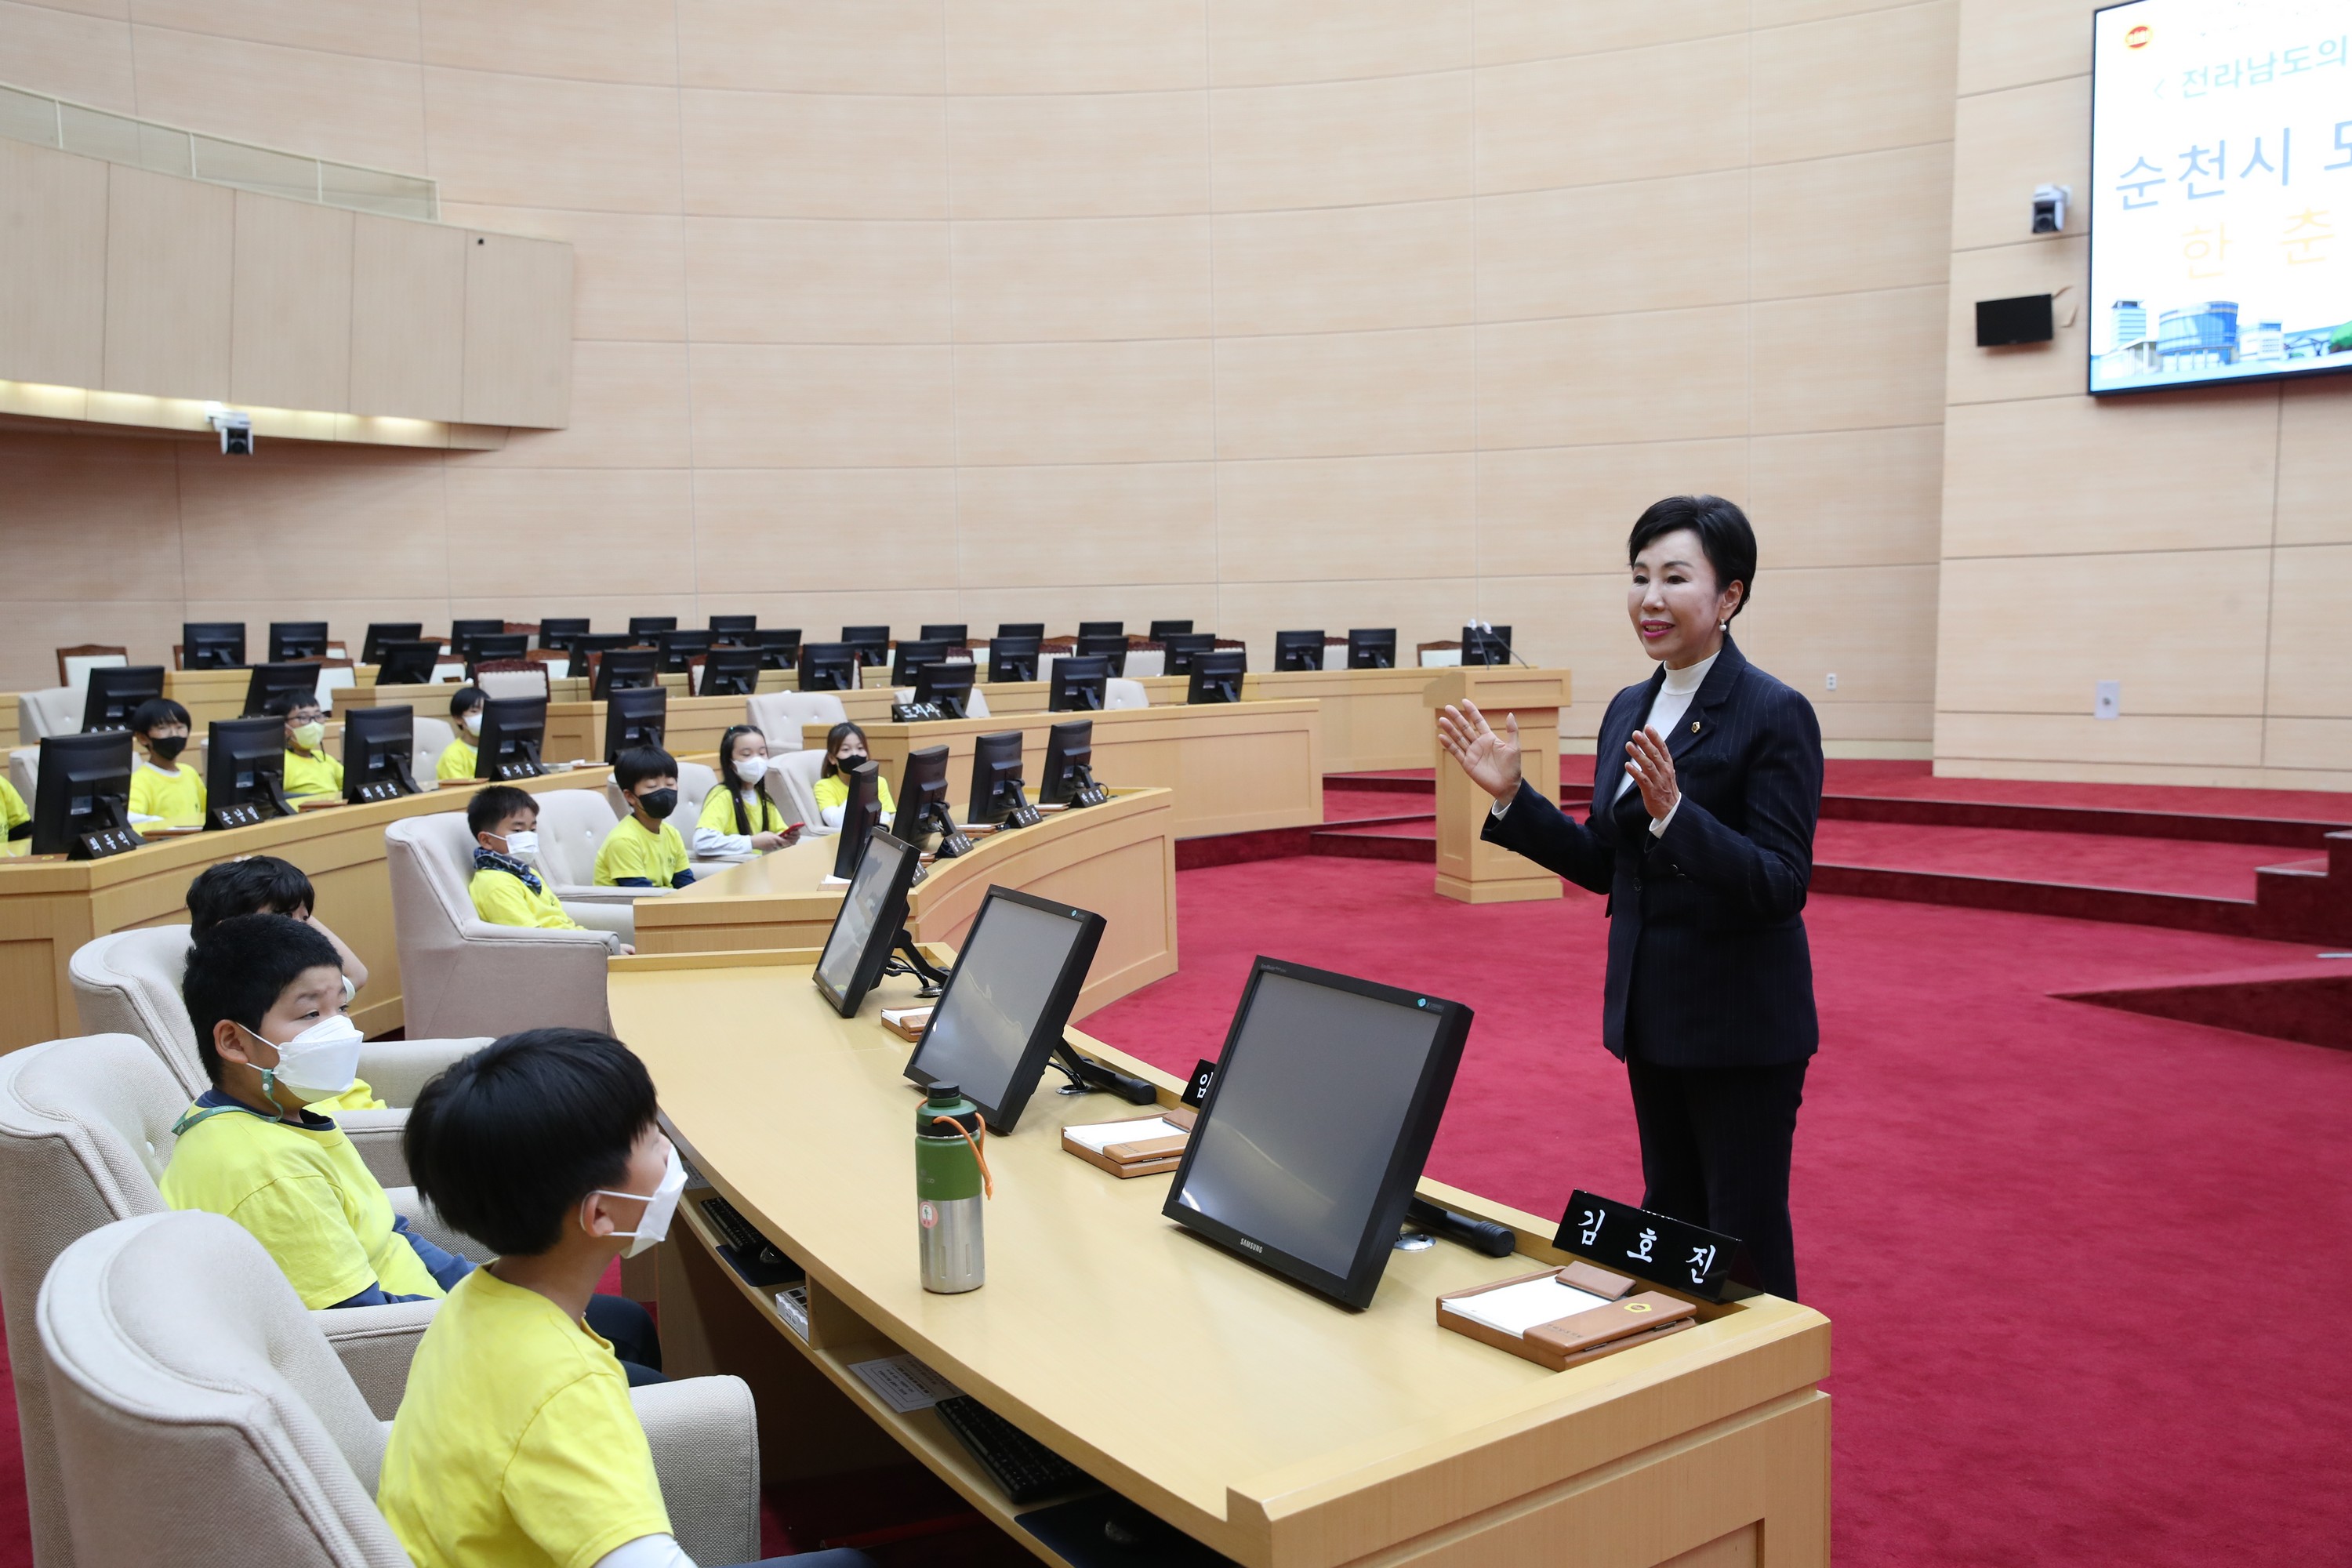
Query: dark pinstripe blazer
[1707, 960]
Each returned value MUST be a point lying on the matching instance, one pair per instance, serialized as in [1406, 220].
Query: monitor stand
[912, 962]
[111, 833]
[1088, 793]
[953, 839]
[1086, 1075]
[1022, 814]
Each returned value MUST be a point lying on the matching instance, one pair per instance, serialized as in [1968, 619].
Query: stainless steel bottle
[949, 1182]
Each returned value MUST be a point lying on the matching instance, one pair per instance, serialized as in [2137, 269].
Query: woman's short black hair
[239, 968]
[1723, 533]
[248, 887]
[465, 699]
[155, 712]
[507, 1141]
[833, 740]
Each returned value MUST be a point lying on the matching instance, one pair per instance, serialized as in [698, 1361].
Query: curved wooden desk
[1263, 1421]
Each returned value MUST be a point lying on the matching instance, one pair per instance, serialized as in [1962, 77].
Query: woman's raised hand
[1492, 761]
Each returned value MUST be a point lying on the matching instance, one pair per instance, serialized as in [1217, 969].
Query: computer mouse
[1130, 1527]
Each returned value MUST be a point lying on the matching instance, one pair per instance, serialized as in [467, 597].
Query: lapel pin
[1694, 726]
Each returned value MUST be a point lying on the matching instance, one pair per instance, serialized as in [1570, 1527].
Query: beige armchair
[53, 710]
[459, 972]
[779, 715]
[129, 982]
[201, 1416]
[1121, 693]
[428, 738]
[25, 770]
[573, 824]
[792, 782]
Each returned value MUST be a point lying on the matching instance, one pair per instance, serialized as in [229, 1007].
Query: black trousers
[1715, 1152]
[635, 1343]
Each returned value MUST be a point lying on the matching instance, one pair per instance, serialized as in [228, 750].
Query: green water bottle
[950, 1179]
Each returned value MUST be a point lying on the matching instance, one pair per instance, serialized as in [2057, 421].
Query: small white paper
[1516, 1309]
[905, 1017]
[792, 1305]
[1101, 1135]
[835, 882]
[904, 1384]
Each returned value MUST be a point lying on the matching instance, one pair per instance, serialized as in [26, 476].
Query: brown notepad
[1606, 1316]
[1139, 1156]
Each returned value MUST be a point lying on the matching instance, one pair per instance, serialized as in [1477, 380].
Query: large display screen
[2221, 192]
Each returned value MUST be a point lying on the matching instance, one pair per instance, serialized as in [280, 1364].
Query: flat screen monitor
[643, 628]
[1162, 630]
[244, 772]
[866, 925]
[732, 628]
[379, 753]
[513, 729]
[463, 633]
[1216, 677]
[406, 661]
[557, 631]
[1371, 647]
[946, 685]
[780, 647]
[1070, 762]
[861, 816]
[729, 672]
[1486, 645]
[1102, 628]
[115, 692]
[1298, 650]
[290, 640]
[828, 667]
[872, 643]
[1079, 685]
[955, 634]
[1111, 651]
[586, 645]
[624, 669]
[268, 680]
[212, 644]
[379, 633]
[83, 786]
[634, 716]
[1181, 646]
[1022, 629]
[1007, 1002]
[1012, 658]
[912, 654]
[1327, 1095]
[923, 816]
[501, 645]
[996, 780]
[679, 649]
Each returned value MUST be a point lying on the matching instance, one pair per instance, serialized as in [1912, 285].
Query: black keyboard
[732, 1228]
[1022, 1469]
[758, 1260]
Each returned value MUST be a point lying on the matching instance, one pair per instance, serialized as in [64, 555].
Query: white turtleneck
[1673, 701]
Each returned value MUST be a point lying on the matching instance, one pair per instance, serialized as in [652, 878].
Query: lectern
[1468, 867]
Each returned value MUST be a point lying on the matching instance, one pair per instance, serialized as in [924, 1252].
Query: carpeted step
[2309, 1002]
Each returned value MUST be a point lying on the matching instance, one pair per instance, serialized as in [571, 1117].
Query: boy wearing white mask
[309, 769]
[507, 889]
[739, 821]
[458, 761]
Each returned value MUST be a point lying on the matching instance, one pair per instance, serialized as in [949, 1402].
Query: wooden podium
[1468, 867]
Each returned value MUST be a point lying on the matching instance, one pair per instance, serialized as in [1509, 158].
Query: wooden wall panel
[291, 333]
[53, 252]
[403, 273]
[518, 330]
[170, 250]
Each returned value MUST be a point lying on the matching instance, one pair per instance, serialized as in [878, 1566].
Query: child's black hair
[281, 703]
[464, 698]
[493, 805]
[833, 740]
[239, 968]
[638, 763]
[730, 781]
[155, 712]
[252, 886]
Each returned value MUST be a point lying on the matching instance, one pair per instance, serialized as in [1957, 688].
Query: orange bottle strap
[987, 1182]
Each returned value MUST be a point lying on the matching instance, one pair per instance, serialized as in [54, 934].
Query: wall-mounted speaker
[2023, 319]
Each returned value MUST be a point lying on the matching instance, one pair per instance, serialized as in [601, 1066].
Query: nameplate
[1022, 816]
[1091, 795]
[243, 816]
[383, 789]
[106, 841]
[915, 712]
[1196, 1088]
[1652, 1247]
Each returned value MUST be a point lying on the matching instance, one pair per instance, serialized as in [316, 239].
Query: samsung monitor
[828, 667]
[290, 640]
[496, 645]
[1216, 677]
[268, 680]
[212, 644]
[947, 686]
[1162, 630]
[729, 672]
[1016, 979]
[780, 647]
[643, 628]
[379, 753]
[1371, 647]
[1181, 646]
[912, 654]
[923, 818]
[1067, 778]
[996, 795]
[861, 816]
[955, 634]
[1012, 658]
[406, 661]
[557, 631]
[733, 628]
[115, 692]
[1486, 645]
[81, 796]
[1102, 629]
[634, 716]
[1111, 651]
[1079, 685]
[463, 633]
[679, 649]
[244, 772]
[1315, 1127]
[513, 730]
[624, 669]
[379, 633]
[1022, 629]
[1298, 650]
[866, 925]
[872, 643]
[586, 645]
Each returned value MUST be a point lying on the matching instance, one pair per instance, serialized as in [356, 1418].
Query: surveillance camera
[2050, 208]
[236, 432]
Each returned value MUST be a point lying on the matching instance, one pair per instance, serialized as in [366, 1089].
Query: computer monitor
[732, 628]
[405, 661]
[1181, 646]
[1162, 630]
[513, 729]
[586, 645]
[947, 686]
[268, 680]
[678, 649]
[1110, 648]
[115, 692]
[866, 925]
[729, 672]
[1298, 650]
[557, 631]
[1067, 778]
[379, 633]
[1482, 645]
[1012, 658]
[1102, 629]
[1022, 629]
[1016, 981]
[956, 633]
[290, 640]
[82, 799]
[912, 654]
[1371, 647]
[244, 772]
[643, 628]
[212, 644]
[379, 753]
[828, 667]
[463, 633]
[492, 645]
[1079, 685]
[624, 669]
[1315, 1127]
[996, 796]
[780, 647]
[1216, 677]
[924, 819]
[861, 816]
[634, 716]
[872, 643]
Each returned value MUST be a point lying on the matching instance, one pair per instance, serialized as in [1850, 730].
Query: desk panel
[1372, 719]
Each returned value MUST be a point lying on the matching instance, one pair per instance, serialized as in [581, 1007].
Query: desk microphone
[1478, 1235]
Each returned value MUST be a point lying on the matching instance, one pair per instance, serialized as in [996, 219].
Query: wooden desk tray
[909, 1028]
[1144, 1157]
[1629, 1319]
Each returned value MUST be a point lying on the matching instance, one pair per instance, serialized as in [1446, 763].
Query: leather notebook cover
[1634, 1315]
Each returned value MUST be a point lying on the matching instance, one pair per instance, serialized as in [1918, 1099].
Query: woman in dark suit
[1704, 793]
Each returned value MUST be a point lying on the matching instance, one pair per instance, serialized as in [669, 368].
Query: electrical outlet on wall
[1832, 682]
[2107, 699]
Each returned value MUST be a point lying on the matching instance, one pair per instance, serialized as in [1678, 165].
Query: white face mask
[752, 770]
[473, 722]
[523, 844]
[653, 1226]
[318, 1063]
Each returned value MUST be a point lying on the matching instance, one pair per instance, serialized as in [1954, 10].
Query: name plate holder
[247, 815]
[102, 843]
[916, 712]
[382, 789]
[1654, 1246]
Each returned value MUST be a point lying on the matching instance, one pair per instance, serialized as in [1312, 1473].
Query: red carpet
[2085, 859]
[2017, 1211]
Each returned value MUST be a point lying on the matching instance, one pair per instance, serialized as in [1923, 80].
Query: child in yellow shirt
[644, 850]
[507, 890]
[844, 747]
[16, 821]
[265, 885]
[465, 720]
[309, 769]
[164, 788]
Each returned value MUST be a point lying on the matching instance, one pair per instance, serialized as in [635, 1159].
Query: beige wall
[1267, 312]
[2195, 545]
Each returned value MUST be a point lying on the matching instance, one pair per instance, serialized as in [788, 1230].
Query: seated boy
[309, 769]
[507, 891]
[642, 850]
[16, 821]
[265, 885]
[515, 1442]
[164, 788]
[465, 720]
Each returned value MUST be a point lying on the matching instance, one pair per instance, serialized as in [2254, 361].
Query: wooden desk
[1468, 867]
[1236, 767]
[1372, 719]
[1277, 1428]
[1118, 860]
[575, 730]
[49, 907]
[210, 694]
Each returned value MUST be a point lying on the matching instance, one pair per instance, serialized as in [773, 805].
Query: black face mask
[167, 747]
[658, 803]
[846, 760]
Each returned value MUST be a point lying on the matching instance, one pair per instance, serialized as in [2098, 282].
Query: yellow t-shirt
[458, 762]
[305, 1194]
[833, 792]
[177, 798]
[316, 773]
[13, 815]
[503, 899]
[516, 1444]
[718, 813]
[630, 851]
